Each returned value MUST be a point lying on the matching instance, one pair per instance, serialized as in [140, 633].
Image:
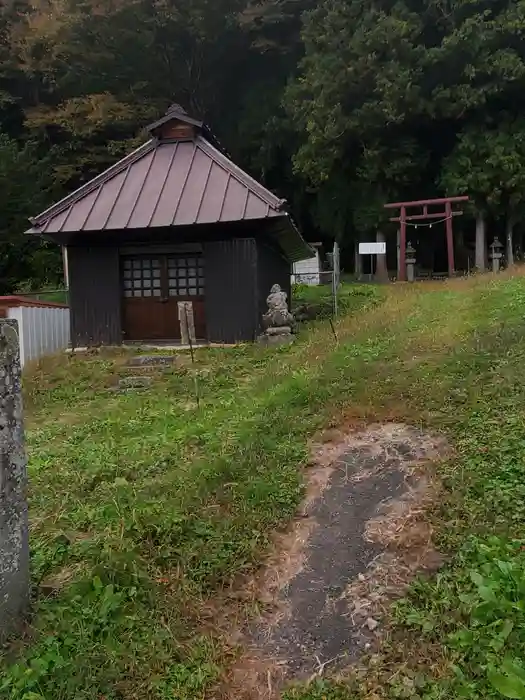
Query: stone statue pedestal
[274, 338]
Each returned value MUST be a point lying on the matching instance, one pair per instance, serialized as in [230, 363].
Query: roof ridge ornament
[176, 108]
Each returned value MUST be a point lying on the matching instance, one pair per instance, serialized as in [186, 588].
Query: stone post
[14, 547]
[496, 254]
[410, 262]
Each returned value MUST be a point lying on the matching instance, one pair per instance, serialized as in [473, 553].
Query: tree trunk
[358, 261]
[481, 243]
[510, 242]
[381, 267]
[461, 255]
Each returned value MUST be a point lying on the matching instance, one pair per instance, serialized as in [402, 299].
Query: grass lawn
[146, 510]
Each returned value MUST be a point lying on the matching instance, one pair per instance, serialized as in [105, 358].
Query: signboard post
[336, 273]
[372, 248]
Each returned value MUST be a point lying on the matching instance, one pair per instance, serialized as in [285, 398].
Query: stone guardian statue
[278, 322]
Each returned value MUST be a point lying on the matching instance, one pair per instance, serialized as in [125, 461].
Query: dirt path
[361, 541]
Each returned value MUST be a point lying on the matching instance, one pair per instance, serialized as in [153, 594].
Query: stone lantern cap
[496, 246]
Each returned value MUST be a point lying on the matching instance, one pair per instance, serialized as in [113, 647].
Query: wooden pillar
[450, 239]
[65, 264]
[402, 245]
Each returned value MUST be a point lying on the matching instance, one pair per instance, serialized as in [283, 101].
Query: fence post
[14, 546]
[336, 273]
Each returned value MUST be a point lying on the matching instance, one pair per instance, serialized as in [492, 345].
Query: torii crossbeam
[447, 215]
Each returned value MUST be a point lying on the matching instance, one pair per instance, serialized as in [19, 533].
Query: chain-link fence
[322, 286]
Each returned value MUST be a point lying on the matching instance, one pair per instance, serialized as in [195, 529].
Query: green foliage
[317, 301]
[388, 95]
[478, 606]
[87, 77]
[489, 163]
[338, 106]
[21, 186]
[321, 690]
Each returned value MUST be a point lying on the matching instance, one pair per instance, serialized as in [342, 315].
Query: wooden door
[152, 287]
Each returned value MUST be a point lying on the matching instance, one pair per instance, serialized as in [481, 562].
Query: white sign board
[372, 248]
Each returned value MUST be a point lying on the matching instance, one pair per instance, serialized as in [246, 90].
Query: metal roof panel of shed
[163, 183]
[179, 178]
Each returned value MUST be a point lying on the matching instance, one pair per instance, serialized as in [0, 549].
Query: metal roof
[163, 183]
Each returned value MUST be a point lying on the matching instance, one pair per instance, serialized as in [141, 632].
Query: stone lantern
[410, 259]
[496, 254]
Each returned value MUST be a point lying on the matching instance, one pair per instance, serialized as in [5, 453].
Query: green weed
[318, 301]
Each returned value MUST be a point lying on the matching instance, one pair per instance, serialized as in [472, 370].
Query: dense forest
[339, 105]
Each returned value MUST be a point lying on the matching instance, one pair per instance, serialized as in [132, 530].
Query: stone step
[153, 361]
[136, 383]
[144, 370]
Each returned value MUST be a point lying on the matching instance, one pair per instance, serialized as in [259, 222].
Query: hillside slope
[146, 508]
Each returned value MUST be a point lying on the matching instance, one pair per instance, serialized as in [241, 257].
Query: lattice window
[142, 277]
[185, 276]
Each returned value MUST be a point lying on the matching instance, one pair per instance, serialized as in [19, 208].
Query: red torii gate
[445, 216]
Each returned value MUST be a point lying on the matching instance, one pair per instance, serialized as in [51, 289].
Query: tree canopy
[339, 105]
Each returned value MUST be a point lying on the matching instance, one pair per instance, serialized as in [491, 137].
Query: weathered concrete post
[496, 254]
[410, 262]
[14, 547]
